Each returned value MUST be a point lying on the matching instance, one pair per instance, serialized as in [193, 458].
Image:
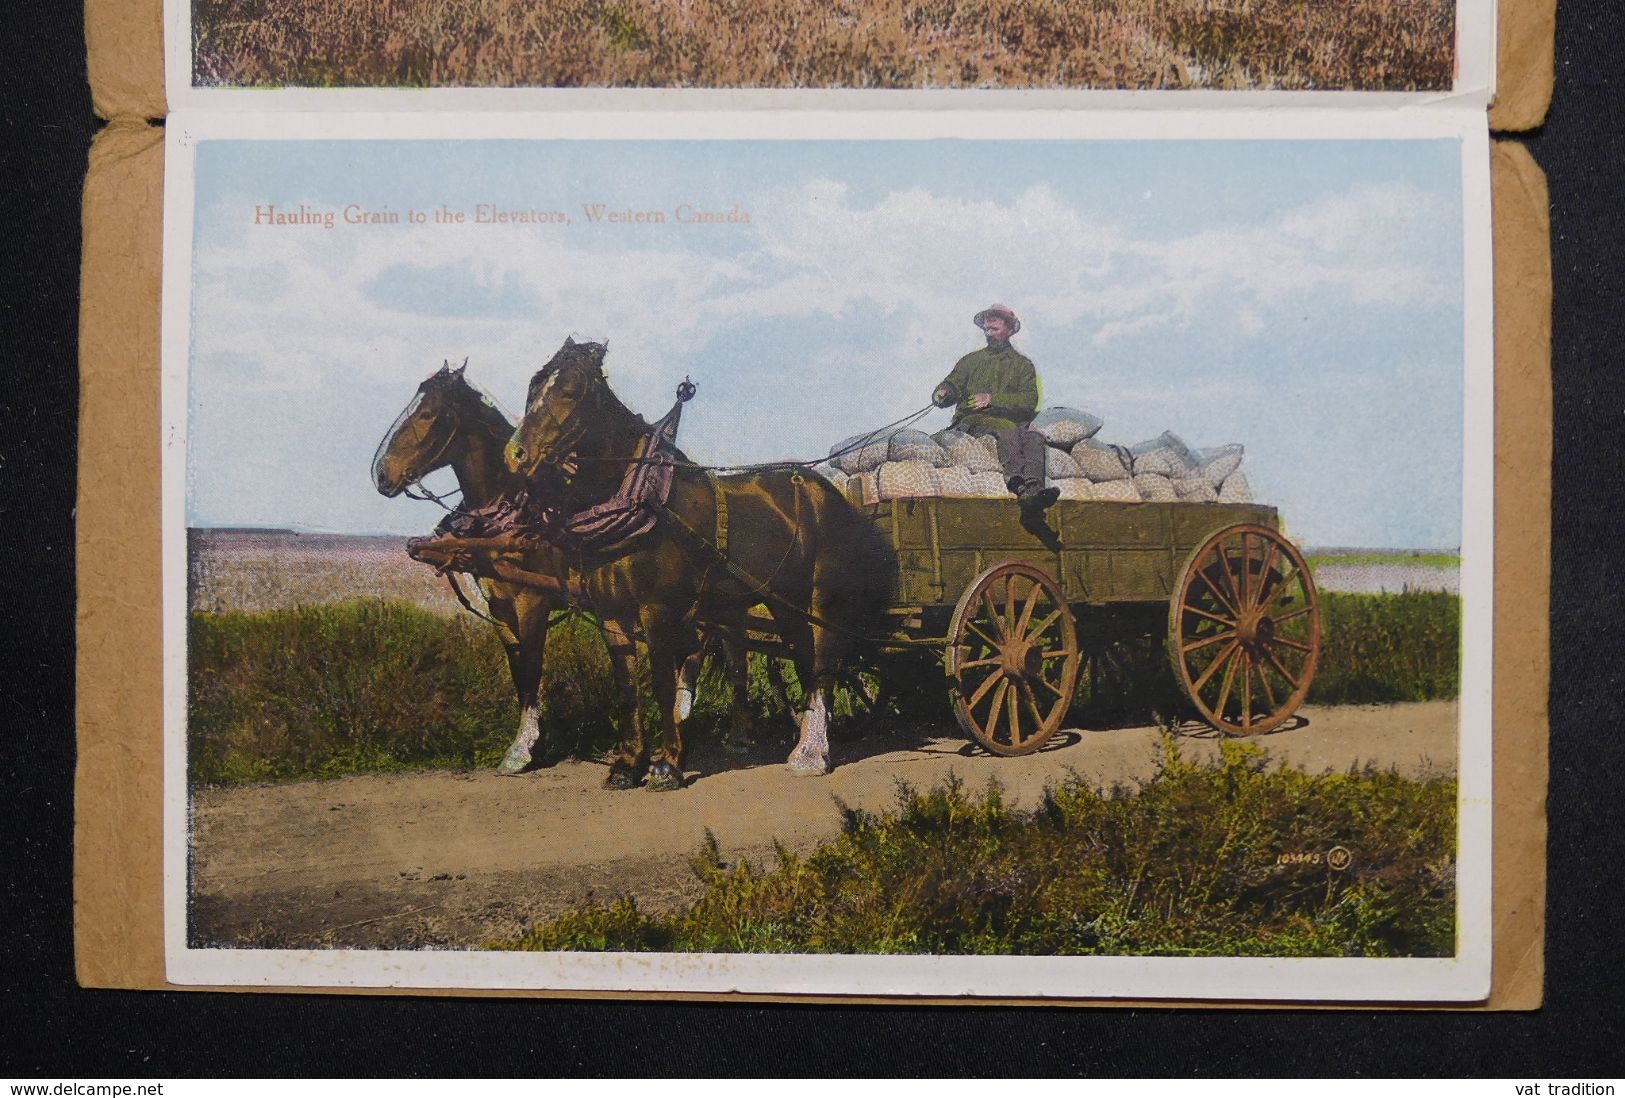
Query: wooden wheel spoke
[1031, 699]
[1298, 613]
[1288, 642]
[1058, 654]
[1246, 570]
[1192, 609]
[1218, 594]
[1269, 693]
[981, 691]
[977, 629]
[1246, 689]
[1049, 620]
[1280, 668]
[998, 708]
[1264, 572]
[991, 661]
[1205, 641]
[1013, 705]
[1027, 611]
[1229, 580]
[1010, 605]
[1224, 684]
[1212, 668]
[1051, 687]
[993, 613]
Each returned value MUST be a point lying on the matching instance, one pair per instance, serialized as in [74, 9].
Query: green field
[1227, 860]
[367, 685]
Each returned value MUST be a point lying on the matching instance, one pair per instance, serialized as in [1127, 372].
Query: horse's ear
[445, 366]
[458, 372]
[569, 341]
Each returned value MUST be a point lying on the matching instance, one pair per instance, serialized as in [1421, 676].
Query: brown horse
[779, 537]
[450, 423]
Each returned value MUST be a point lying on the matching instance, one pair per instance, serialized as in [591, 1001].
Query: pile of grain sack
[911, 464]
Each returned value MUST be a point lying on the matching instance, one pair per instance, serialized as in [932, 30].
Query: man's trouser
[1021, 452]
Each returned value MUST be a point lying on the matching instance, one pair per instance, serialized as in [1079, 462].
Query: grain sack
[1058, 465]
[1075, 488]
[833, 475]
[1196, 488]
[1218, 462]
[860, 489]
[1157, 489]
[905, 479]
[978, 454]
[1235, 489]
[985, 485]
[869, 453]
[951, 480]
[1117, 491]
[948, 437]
[1100, 462]
[915, 446]
[1166, 455]
[1065, 427]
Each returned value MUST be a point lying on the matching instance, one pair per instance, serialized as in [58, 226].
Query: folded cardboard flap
[118, 867]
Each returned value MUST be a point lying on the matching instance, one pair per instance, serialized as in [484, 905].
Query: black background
[61, 1030]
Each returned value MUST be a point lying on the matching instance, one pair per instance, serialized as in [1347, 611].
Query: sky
[1302, 298]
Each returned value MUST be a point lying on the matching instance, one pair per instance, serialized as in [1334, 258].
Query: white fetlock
[811, 755]
[519, 752]
[685, 702]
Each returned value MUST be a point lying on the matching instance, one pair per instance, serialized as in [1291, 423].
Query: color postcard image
[817, 555]
[1426, 46]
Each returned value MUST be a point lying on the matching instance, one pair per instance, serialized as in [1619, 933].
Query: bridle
[414, 479]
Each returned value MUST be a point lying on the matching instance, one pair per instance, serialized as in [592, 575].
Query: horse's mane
[570, 354]
[487, 415]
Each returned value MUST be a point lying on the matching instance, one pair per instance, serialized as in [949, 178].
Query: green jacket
[1008, 376]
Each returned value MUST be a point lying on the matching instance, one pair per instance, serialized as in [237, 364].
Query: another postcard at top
[574, 54]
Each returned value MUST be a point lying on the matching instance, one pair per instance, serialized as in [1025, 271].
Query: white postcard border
[1464, 977]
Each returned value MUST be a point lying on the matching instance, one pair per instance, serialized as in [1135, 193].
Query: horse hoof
[621, 776]
[513, 765]
[808, 767]
[664, 778]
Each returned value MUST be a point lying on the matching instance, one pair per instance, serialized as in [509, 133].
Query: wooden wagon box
[1100, 552]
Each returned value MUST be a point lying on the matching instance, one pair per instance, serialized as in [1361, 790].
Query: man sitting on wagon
[996, 393]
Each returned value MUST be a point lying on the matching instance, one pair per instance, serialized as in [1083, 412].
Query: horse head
[563, 408]
[423, 437]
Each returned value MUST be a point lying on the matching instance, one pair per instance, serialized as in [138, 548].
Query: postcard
[921, 554]
[412, 55]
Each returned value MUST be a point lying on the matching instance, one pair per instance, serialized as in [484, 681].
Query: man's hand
[944, 396]
[981, 400]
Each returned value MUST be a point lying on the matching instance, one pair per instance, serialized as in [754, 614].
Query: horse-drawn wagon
[1020, 605]
[1026, 613]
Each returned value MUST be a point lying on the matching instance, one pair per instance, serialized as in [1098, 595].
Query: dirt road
[457, 858]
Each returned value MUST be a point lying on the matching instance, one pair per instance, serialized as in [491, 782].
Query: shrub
[1224, 860]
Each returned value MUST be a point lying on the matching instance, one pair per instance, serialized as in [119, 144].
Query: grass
[367, 685]
[1226, 860]
[1366, 560]
[1288, 44]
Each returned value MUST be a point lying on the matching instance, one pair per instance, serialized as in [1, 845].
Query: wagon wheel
[860, 696]
[1244, 629]
[1012, 658]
